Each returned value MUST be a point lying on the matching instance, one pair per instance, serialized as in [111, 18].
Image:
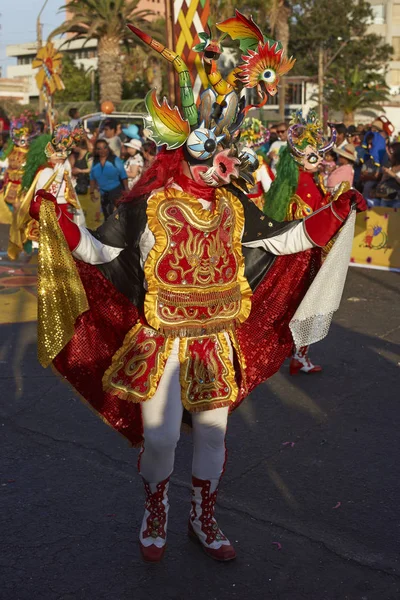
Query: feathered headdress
[62, 141]
[305, 131]
[22, 130]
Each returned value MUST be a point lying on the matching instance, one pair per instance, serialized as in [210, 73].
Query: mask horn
[185, 84]
[331, 142]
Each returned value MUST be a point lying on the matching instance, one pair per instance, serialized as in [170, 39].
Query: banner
[190, 18]
[377, 239]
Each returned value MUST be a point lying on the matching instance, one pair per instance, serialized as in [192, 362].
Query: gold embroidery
[137, 366]
[207, 375]
[195, 270]
[302, 209]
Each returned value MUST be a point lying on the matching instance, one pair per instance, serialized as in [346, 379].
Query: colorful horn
[331, 142]
[185, 85]
[293, 148]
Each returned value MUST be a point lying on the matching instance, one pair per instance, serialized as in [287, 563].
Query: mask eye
[312, 158]
[269, 76]
[202, 143]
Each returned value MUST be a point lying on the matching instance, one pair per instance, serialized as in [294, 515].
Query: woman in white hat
[135, 162]
[347, 156]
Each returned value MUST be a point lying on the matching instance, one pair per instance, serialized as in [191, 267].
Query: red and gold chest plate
[195, 270]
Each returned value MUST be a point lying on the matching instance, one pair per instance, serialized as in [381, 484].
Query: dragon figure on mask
[182, 301]
[210, 135]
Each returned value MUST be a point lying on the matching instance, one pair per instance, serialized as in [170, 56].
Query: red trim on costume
[70, 229]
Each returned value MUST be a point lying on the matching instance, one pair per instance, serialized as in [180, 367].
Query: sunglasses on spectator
[280, 130]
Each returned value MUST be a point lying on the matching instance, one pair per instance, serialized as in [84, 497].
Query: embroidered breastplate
[195, 270]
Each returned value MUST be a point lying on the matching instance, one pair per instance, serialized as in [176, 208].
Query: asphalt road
[317, 520]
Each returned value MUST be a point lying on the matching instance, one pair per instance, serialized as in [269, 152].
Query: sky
[18, 23]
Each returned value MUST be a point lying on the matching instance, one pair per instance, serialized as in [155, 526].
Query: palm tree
[105, 21]
[352, 90]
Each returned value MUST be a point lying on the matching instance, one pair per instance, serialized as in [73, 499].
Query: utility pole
[321, 82]
[169, 23]
[39, 40]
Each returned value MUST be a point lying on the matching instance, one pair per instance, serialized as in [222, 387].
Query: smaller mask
[306, 140]
[22, 131]
[62, 142]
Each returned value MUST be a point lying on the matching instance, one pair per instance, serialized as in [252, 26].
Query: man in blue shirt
[109, 175]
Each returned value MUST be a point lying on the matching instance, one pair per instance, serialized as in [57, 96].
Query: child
[347, 156]
[328, 165]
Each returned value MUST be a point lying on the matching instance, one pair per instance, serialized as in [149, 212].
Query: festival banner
[377, 239]
[190, 18]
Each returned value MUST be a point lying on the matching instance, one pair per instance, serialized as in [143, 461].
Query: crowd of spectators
[366, 156]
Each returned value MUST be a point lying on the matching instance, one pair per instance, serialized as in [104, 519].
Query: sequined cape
[278, 283]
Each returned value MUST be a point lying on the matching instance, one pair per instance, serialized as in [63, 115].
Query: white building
[85, 55]
[386, 23]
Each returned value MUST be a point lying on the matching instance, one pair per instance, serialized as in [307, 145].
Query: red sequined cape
[265, 337]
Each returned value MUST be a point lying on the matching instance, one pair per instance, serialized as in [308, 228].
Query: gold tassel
[61, 295]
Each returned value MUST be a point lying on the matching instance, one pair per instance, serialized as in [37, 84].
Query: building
[15, 89]
[386, 23]
[85, 55]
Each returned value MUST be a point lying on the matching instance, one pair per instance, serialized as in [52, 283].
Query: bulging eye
[202, 143]
[269, 75]
[312, 159]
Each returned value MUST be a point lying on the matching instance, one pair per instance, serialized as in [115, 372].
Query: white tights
[162, 417]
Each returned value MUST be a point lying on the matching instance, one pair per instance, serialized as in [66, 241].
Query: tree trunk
[110, 69]
[279, 17]
[348, 118]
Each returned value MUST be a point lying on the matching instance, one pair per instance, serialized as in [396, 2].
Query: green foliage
[96, 19]
[353, 89]
[77, 82]
[12, 110]
[340, 28]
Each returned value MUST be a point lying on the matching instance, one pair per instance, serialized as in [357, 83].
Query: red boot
[203, 528]
[301, 362]
[153, 533]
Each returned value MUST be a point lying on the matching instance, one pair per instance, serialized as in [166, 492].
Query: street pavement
[314, 519]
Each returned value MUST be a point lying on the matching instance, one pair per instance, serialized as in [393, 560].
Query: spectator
[328, 165]
[134, 164]
[81, 168]
[109, 175]
[131, 132]
[110, 135]
[341, 131]
[39, 127]
[149, 151]
[388, 189]
[347, 156]
[275, 148]
[370, 170]
[74, 117]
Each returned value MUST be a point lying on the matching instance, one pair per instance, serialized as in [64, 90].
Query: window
[396, 47]
[378, 17]
[396, 14]
[394, 77]
[24, 60]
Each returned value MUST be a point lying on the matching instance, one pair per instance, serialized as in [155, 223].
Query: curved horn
[185, 84]
[331, 142]
[293, 148]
